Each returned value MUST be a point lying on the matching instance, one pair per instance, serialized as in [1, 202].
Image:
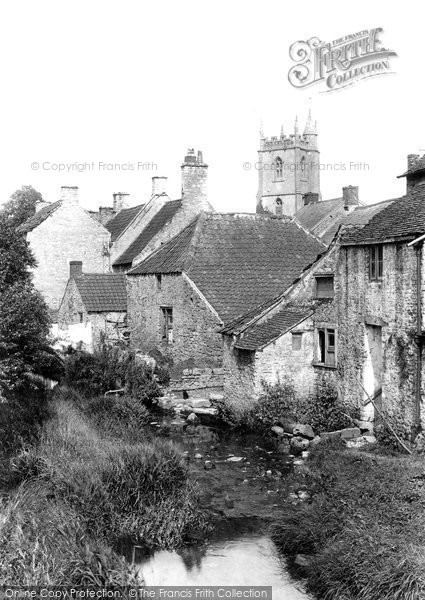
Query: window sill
[323, 366]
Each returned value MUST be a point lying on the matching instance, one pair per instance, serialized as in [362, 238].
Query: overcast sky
[137, 82]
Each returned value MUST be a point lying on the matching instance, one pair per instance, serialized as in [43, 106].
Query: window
[279, 168]
[81, 316]
[158, 283]
[167, 325]
[324, 286]
[297, 341]
[302, 164]
[326, 351]
[376, 259]
[279, 208]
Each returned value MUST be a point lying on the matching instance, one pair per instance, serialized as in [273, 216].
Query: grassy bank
[364, 526]
[94, 478]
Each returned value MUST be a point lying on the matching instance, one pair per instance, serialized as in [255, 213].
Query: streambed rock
[299, 444]
[305, 431]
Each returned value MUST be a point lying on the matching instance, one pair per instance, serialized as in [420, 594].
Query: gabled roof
[157, 223]
[39, 217]
[237, 261]
[260, 335]
[401, 219]
[103, 292]
[359, 217]
[311, 215]
[122, 220]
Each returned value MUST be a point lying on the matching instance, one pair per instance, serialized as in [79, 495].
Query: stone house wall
[105, 326]
[197, 344]
[390, 304]
[70, 233]
[245, 371]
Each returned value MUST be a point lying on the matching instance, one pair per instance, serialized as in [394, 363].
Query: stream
[241, 477]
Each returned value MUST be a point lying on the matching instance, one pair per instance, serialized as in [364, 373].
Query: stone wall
[105, 326]
[278, 362]
[70, 233]
[196, 340]
[391, 305]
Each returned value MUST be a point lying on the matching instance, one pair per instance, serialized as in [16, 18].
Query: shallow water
[250, 560]
[244, 495]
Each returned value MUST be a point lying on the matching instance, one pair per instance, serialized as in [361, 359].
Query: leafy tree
[21, 205]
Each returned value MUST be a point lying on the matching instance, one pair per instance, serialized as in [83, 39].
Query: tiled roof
[359, 217]
[122, 220]
[39, 217]
[260, 335]
[237, 261]
[103, 292]
[311, 215]
[403, 218]
[158, 222]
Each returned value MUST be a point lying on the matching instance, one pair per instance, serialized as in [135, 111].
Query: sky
[124, 88]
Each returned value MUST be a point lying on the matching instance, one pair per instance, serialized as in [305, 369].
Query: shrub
[110, 369]
[325, 411]
[278, 402]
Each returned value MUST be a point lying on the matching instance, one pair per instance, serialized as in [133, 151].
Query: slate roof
[359, 217]
[260, 335]
[157, 223]
[404, 218]
[103, 292]
[122, 220]
[39, 217]
[311, 215]
[237, 261]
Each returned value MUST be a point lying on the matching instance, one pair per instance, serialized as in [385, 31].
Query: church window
[302, 164]
[279, 168]
[279, 207]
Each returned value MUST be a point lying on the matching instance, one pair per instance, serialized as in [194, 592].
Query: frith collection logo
[340, 63]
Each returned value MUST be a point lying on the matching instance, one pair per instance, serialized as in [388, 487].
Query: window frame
[322, 355]
[279, 168]
[167, 326]
[376, 262]
[321, 276]
[279, 207]
[297, 335]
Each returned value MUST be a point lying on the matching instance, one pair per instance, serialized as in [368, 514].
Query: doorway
[372, 371]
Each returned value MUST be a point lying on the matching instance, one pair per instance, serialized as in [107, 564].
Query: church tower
[288, 171]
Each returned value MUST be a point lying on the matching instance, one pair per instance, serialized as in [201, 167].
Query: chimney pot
[69, 194]
[159, 185]
[120, 201]
[350, 195]
[75, 268]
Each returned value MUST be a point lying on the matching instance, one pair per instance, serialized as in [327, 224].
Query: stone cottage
[293, 338]
[93, 310]
[137, 232]
[381, 306]
[59, 233]
[216, 269]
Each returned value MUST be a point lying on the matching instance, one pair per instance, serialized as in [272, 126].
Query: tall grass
[364, 528]
[84, 487]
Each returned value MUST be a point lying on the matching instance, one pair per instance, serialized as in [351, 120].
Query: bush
[110, 369]
[325, 411]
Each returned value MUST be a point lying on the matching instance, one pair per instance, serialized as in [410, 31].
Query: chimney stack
[75, 268]
[105, 214]
[120, 201]
[194, 182]
[311, 198]
[159, 185]
[69, 194]
[350, 195]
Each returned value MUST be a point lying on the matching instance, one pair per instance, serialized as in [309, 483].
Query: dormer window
[376, 262]
[279, 207]
[279, 168]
